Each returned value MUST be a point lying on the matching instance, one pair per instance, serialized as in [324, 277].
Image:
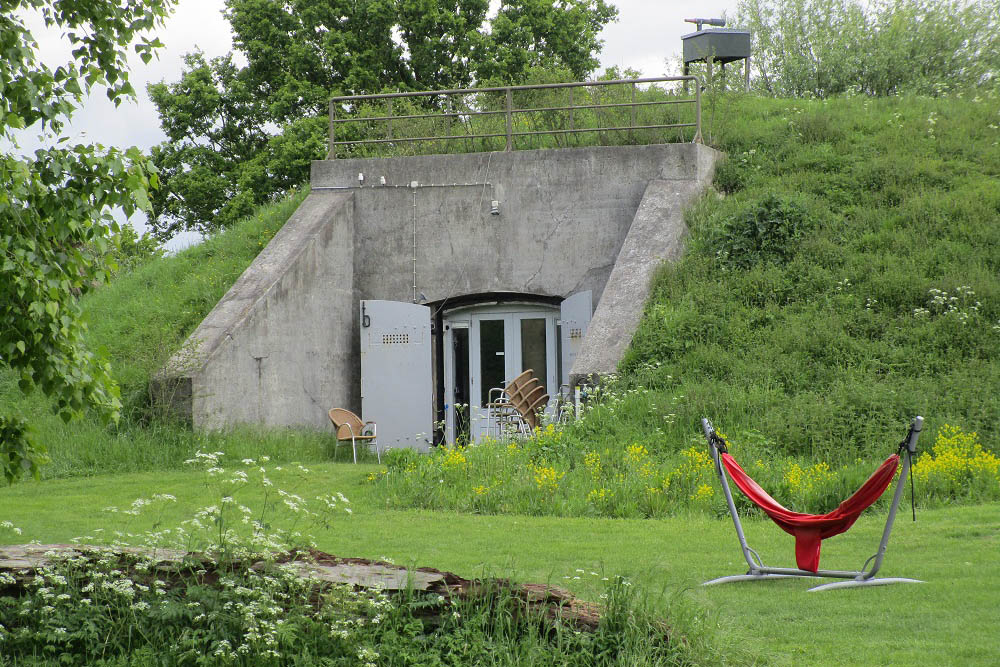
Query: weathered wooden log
[22, 561]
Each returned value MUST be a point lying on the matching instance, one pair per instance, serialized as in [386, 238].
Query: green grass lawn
[951, 619]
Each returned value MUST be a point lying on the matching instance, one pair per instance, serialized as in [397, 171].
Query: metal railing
[462, 105]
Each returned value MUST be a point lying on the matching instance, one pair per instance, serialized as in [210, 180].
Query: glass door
[488, 346]
[492, 356]
[501, 346]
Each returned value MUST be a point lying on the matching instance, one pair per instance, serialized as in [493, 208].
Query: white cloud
[648, 34]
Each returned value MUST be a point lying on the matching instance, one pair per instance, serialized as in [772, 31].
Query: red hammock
[810, 529]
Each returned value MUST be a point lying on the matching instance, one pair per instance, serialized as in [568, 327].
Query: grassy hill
[843, 276]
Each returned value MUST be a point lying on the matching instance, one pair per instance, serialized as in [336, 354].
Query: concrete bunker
[404, 286]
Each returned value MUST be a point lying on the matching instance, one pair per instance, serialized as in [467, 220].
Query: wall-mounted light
[361, 178]
[381, 180]
[494, 207]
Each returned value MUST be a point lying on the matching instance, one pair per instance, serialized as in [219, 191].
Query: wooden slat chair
[521, 401]
[503, 417]
[351, 429]
[525, 378]
[535, 407]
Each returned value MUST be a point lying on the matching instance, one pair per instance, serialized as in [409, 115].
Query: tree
[54, 207]
[241, 136]
[128, 250]
[818, 48]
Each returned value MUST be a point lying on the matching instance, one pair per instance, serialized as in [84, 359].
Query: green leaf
[142, 200]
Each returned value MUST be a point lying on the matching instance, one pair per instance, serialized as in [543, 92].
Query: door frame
[511, 314]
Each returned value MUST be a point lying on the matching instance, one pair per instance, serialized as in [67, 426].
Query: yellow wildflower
[592, 461]
[635, 453]
[597, 495]
[453, 459]
[956, 460]
[704, 492]
[547, 478]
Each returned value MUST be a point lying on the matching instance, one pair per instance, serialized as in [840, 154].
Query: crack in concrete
[312, 398]
[560, 219]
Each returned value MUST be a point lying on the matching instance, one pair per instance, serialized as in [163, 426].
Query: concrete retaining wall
[274, 349]
[563, 217]
[282, 347]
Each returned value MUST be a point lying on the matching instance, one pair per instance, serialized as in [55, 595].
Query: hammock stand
[810, 529]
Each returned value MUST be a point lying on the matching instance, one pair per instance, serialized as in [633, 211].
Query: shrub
[762, 231]
[958, 468]
[733, 173]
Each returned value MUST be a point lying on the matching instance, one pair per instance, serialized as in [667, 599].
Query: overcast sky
[646, 37]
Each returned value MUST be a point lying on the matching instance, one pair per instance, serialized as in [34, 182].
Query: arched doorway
[485, 347]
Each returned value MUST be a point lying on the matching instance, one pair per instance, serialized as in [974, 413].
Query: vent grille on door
[396, 339]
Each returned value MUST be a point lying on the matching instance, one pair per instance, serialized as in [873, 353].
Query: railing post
[510, 126]
[632, 124]
[390, 119]
[697, 110]
[332, 153]
[571, 125]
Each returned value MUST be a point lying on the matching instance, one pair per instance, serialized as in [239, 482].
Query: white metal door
[576, 312]
[396, 384]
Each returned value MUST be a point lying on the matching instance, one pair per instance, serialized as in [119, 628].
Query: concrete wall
[656, 235]
[282, 347]
[563, 217]
[274, 348]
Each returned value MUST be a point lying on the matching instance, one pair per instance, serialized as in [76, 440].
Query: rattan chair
[351, 429]
[519, 403]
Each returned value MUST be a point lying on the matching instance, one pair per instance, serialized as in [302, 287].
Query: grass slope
[804, 307]
[948, 620]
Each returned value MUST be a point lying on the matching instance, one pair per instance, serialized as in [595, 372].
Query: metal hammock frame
[863, 577]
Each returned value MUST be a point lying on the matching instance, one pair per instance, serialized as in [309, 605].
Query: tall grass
[563, 472]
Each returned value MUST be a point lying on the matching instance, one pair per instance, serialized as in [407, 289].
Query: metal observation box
[721, 45]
